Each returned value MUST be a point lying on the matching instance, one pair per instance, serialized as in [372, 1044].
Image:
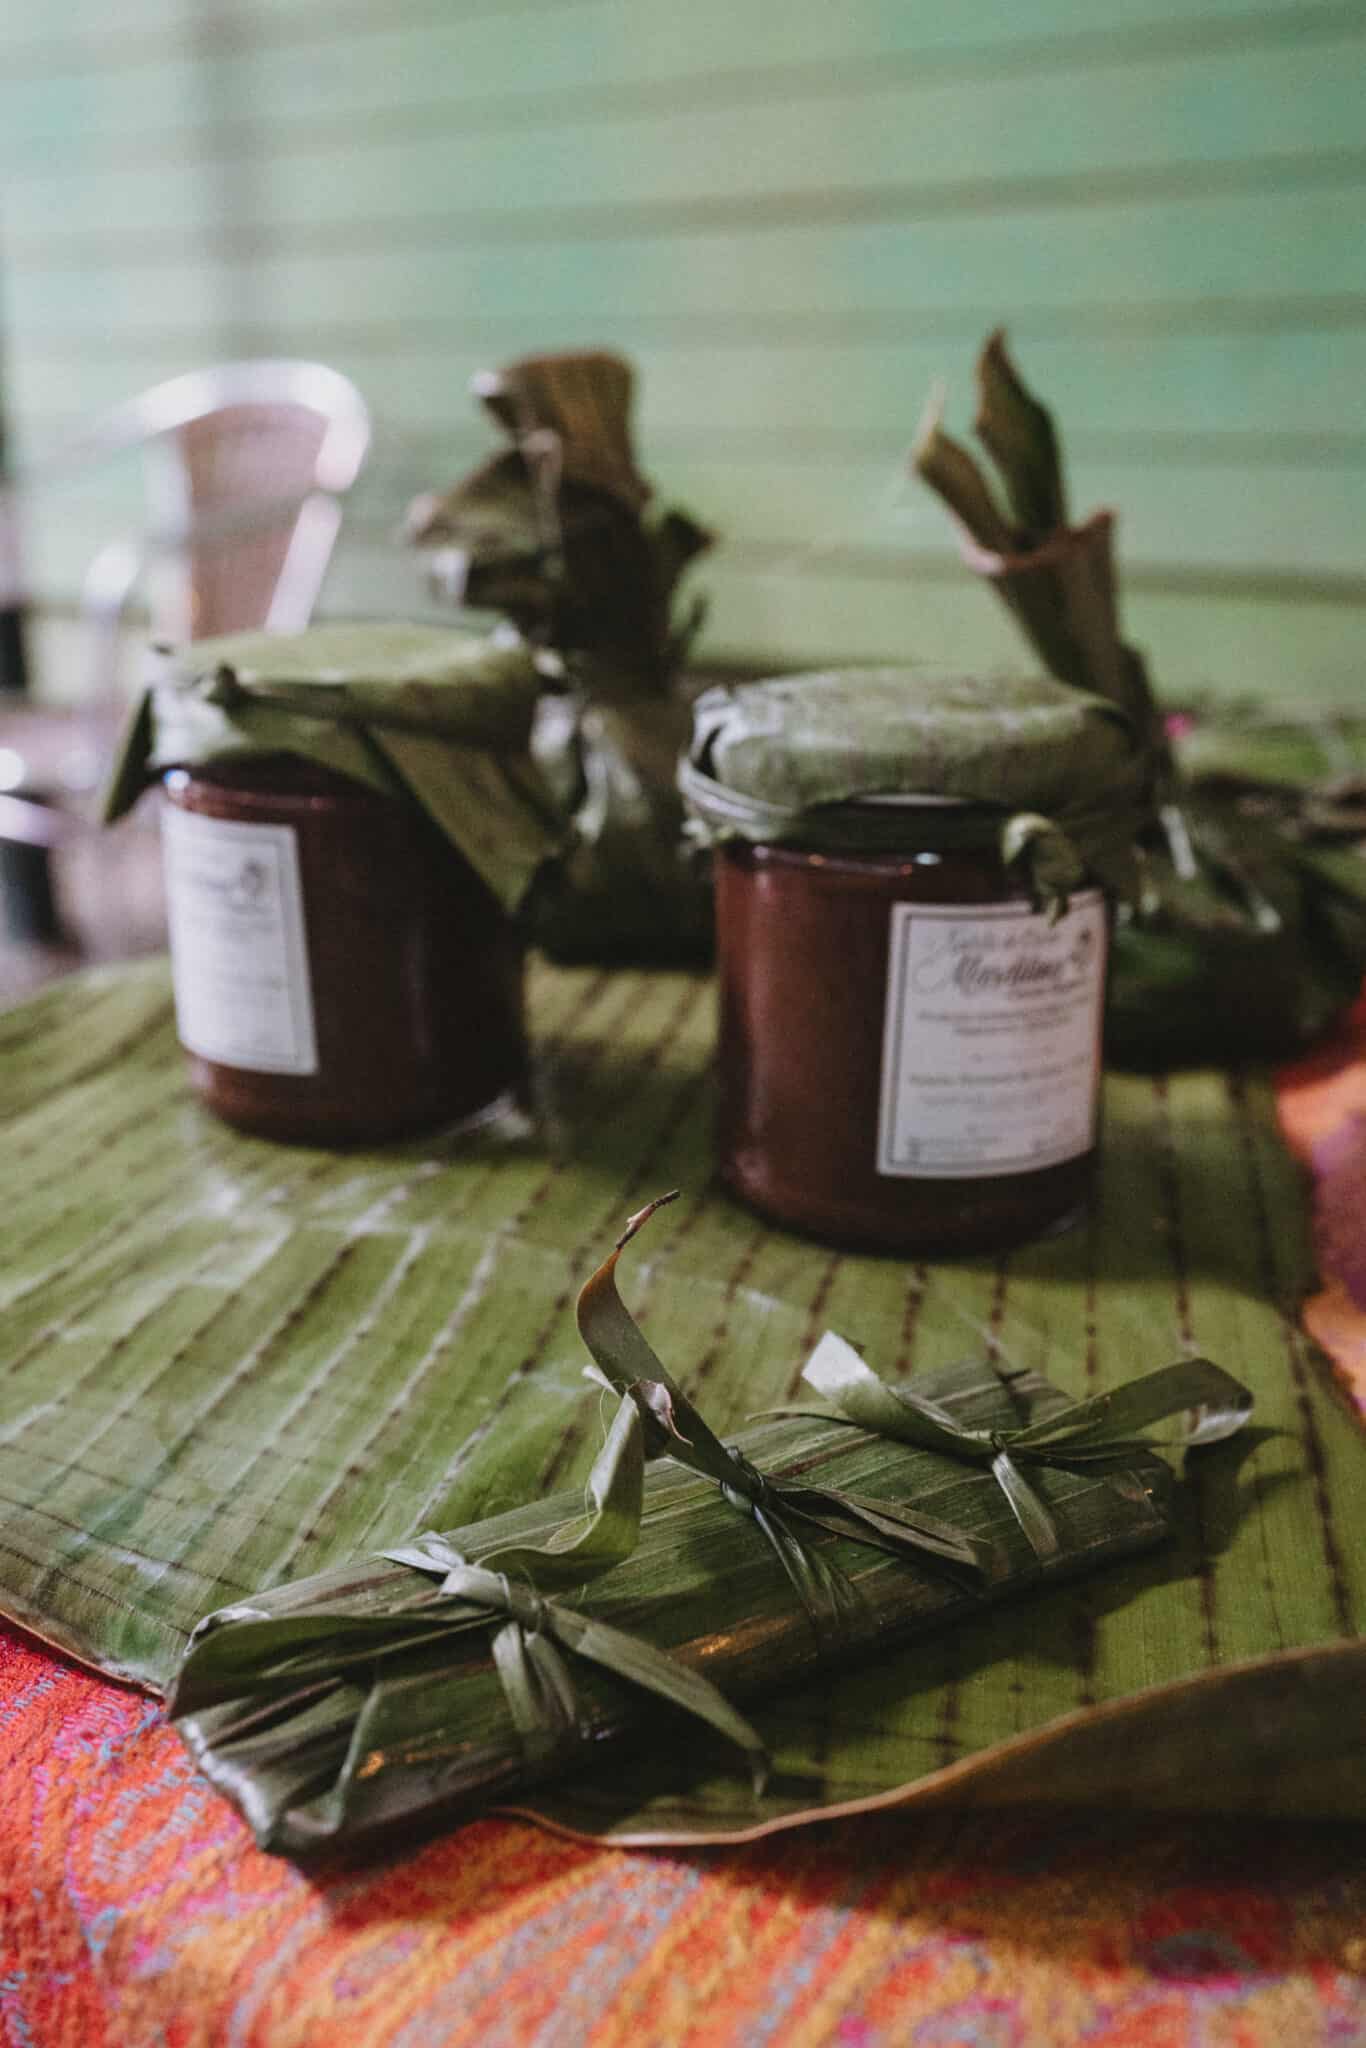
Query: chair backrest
[245, 467]
[245, 464]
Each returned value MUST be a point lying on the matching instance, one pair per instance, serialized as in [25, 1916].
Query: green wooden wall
[795, 214]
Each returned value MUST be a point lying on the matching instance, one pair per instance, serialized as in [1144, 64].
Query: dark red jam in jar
[352, 824]
[909, 1058]
[909, 1050]
[341, 973]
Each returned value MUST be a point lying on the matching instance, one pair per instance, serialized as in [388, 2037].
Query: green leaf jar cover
[352, 822]
[914, 874]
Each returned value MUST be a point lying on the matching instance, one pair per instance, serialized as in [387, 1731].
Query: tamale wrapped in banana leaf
[454, 1672]
[555, 534]
[1251, 934]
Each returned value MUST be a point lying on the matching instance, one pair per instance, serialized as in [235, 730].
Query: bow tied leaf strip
[536, 1680]
[778, 1509]
[458, 1671]
[1203, 1403]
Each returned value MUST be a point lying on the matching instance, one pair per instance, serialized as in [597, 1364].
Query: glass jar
[342, 974]
[914, 873]
[909, 1053]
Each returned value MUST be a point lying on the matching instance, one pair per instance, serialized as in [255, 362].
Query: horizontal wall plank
[1277, 242]
[172, 327]
[1278, 639]
[1174, 536]
[1179, 501]
[355, 47]
[1286, 521]
[1301, 101]
[1240, 397]
[1293, 518]
[1271, 645]
[1298, 519]
[1264, 645]
[435, 226]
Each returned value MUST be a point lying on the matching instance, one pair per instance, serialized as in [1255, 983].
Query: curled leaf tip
[929, 423]
[642, 1216]
[996, 350]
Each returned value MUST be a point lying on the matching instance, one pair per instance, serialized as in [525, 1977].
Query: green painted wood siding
[795, 218]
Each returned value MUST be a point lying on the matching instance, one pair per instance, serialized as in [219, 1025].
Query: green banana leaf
[425, 715]
[1308, 759]
[554, 534]
[1303, 772]
[1247, 944]
[625, 888]
[226, 1365]
[788, 760]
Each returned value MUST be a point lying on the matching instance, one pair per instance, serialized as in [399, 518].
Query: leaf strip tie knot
[1207, 1404]
[529, 1655]
[754, 1492]
[524, 1605]
[672, 1424]
[536, 1681]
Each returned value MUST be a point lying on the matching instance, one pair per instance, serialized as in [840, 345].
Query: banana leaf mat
[224, 1363]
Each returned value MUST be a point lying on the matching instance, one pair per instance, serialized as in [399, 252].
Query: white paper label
[991, 1044]
[238, 956]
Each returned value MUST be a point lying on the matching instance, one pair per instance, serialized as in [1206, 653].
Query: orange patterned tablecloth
[135, 1912]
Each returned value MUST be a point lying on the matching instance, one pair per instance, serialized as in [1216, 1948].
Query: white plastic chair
[245, 466]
